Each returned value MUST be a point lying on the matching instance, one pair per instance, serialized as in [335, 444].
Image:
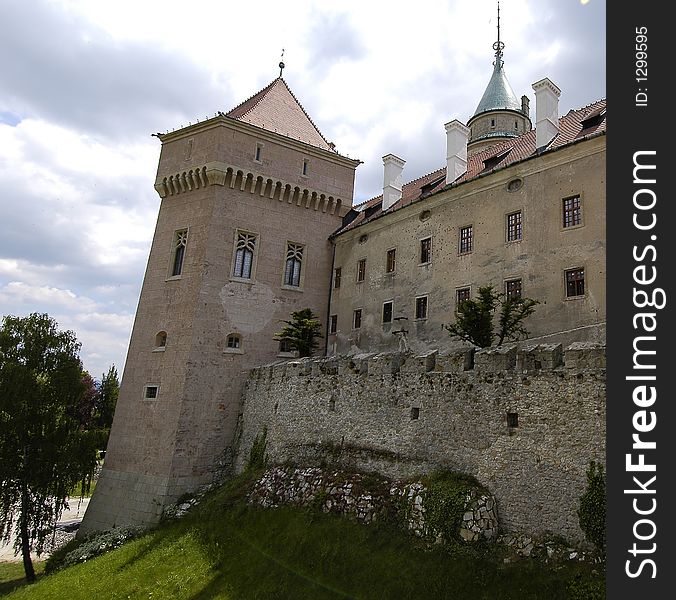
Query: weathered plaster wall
[403, 415]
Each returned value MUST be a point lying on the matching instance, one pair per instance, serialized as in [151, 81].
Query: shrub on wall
[592, 512]
[258, 458]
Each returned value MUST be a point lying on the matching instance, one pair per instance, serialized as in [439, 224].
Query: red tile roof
[275, 108]
[577, 125]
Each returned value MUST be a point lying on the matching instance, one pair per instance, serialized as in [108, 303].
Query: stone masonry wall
[524, 421]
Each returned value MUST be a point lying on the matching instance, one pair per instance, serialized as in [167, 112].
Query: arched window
[180, 243]
[233, 343]
[244, 254]
[161, 340]
[294, 261]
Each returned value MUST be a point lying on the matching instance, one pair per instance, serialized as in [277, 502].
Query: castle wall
[404, 415]
[539, 259]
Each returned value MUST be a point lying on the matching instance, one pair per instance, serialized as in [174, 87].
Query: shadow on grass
[12, 576]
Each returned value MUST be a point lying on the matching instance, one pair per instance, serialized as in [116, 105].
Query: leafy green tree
[106, 400]
[474, 319]
[44, 451]
[301, 332]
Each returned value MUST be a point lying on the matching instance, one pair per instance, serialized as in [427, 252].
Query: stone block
[301, 367]
[385, 363]
[585, 355]
[500, 358]
[454, 362]
[423, 363]
[357, 364]
[539, 357]
[325, 366]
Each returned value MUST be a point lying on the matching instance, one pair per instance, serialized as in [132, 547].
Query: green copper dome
[499, 94]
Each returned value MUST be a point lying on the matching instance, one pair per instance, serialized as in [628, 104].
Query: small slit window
[306, 166]
[391, 262]
[258, 152]
[415, 413]
[178, 252]
[337, 273]
[512, 419]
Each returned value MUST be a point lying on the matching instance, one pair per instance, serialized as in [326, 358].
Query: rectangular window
[333, 324]
[572, 211]
[461, 295]
[150, 392]
[305, 166]
[294, 261]
[514, 230]
[245, 247]
[285, 347]
[421, 307]
[178, 251]
[425, 250]
[336, 277]
[574, 283]
[513, 289]
[391, 263]
[361, 270]
[259, 150]
[466, 239]
[356, 319]
[387, 312]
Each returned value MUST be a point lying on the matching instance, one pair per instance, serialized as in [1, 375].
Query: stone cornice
[224, 174]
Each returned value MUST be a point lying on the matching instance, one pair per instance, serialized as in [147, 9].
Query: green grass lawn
[228, 550]
[12, 575]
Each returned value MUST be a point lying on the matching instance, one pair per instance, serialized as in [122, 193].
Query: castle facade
[256, 221]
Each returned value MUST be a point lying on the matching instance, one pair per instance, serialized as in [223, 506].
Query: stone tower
[248, 201]
[499, 115]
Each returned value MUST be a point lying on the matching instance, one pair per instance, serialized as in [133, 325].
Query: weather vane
[498, 46]
[281, 64]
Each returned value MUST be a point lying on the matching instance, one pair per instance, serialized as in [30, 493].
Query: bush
[258, 458]
[592, 512]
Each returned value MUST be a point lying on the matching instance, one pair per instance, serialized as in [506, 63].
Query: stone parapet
[527, 358]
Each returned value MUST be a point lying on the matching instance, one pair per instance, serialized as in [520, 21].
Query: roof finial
[281, 64]
[498, 46]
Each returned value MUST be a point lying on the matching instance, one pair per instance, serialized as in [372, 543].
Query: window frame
[391, 312]
[254, 256]
[147, 387]
[333, 324]
[462, 289]
[337, 274]
[361, 270]
[576, 213]
[425, 247]
[391, 261]
[357, 318]
[516, 228]
[467, 240]
[258, 152]
[179, 245]
[297, 252]
[509, 295]
[575, 282]
[424, 297]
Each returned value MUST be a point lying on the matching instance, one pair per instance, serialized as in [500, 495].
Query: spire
[499, 94]
[282, 65]
[498, 46]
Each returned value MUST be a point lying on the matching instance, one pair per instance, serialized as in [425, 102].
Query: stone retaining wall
[525, 421]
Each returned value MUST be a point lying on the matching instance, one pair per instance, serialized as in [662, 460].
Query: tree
[44, 451]
[301, 332]
[106, 400]
[474, 319]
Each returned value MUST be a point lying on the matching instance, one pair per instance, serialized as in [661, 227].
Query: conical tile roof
[499, 94]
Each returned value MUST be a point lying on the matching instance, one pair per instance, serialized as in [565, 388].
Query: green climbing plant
[592, 511]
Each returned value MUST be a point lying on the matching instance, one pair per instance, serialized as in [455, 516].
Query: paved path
[73, 514]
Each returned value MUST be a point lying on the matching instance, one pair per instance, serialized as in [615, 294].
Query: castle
[256, 221]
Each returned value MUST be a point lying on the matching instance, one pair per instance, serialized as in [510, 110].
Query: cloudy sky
[84, 84]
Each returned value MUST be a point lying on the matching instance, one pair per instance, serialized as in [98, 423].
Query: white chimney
[456, 150]
[546, 111]
[392, 179]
